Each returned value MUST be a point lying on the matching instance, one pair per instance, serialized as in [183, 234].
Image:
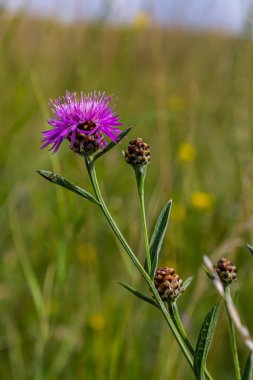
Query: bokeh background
[183, 77]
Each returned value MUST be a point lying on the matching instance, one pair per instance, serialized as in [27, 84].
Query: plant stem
[173, 310]
[232, 337]
[140, 173]
[92, 174]
[176, 317]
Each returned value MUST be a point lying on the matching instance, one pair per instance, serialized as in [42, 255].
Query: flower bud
[168, 284]
[226, 270]
[137, 153]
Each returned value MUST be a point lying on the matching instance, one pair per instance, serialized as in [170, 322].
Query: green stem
[140, 173]
[232, 337]
[176, 317]
[92, 174]
[173, 310]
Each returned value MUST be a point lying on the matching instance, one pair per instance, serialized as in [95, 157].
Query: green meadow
[189, 95]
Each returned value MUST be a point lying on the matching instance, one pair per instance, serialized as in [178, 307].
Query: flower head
[84, 121]
[187, 152]
[202, 201]
[137, 153]
[226, 270]
[168, 284]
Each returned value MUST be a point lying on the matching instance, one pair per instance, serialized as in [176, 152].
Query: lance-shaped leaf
[138, 294]
[248, 370]
[250, 248]
[61, 181]
[158, 236]
[112, 144]
[204, 341]
[208, 272]
[186, 283]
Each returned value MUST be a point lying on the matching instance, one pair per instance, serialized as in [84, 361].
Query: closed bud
[137, 153]
[226, 270]
[168, 284]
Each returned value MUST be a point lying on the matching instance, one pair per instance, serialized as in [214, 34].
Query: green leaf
[61, 181]
[204, 341]
[158, 236]
[112, 144]
[187, 282]
[138, 294]
[248, 370]
[250, 248]
[207, 272]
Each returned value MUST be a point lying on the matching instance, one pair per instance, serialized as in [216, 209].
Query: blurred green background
[190, 96]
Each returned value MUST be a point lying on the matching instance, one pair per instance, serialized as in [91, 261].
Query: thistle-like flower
[168, 284]
[226, 270]
[84, 121]
[137, 153]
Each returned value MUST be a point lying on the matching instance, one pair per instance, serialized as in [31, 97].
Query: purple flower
[84, 121]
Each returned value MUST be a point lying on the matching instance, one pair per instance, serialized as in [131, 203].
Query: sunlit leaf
[187, 282]
[207, 272]
[61, 181]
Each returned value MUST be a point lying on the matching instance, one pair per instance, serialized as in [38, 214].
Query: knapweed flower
[137, 153]
[226, 270]
[84, 121]
[168, 284]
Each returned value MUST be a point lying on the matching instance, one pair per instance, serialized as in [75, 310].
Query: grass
[76, 322]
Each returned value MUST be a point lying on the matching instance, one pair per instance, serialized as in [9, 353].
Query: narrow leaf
[112, 144]
[187, 282]
[248, 370]
[250, 248]
[61, 181]
[158, 236]
[207, 272]
[204, 341]
[138, 294]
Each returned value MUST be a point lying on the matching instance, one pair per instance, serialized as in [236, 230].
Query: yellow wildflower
[202, 201]
[186, 152]
[142, 21]
[96, 322]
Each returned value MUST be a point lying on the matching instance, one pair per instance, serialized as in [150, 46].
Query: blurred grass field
[190, 96]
